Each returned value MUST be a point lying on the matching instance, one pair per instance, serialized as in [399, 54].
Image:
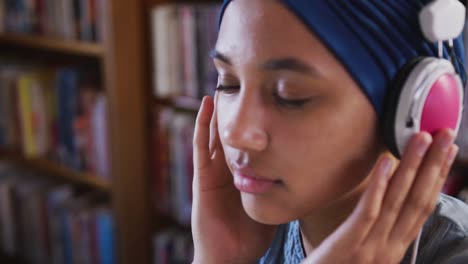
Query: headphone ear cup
[427, 95]
[443, 104]
[391, 104]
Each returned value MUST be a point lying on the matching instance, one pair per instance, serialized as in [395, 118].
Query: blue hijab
[373, 39]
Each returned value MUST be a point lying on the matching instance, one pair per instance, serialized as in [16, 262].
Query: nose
[246, 129]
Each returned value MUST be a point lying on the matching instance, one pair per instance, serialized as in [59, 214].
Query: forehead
[259, 29]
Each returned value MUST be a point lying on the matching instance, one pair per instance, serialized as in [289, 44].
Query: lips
[246, 180]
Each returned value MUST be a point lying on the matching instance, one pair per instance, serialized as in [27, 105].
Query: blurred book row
[172, 247]
[44, 223]
[54, 113]
[183, 36]
[67, 19]
[173, 163]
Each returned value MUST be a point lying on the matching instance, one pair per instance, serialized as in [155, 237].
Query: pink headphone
[427, 93]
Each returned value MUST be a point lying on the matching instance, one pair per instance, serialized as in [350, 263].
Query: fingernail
[423, 144]
[385, 166]
[452, 154]
[447, 140]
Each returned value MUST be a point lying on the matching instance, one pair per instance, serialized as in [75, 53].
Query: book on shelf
[46, 223]
[55, 113]
[172, 246]
[182, 37]
[2, 14]
[98, 145]
[160, 159]
[173, 166]
[67, 19]
[66, 92]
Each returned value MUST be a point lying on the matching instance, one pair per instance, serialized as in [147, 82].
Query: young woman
[290, 165]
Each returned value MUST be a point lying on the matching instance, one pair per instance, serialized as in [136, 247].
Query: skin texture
[288, 143]
[289, 111]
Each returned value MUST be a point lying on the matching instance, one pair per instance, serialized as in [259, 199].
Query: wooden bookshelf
[124, 62]
[54, 171]
[49, 44]
[124, 67]
[127, 78]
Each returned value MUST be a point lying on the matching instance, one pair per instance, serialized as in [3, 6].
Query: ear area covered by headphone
[391, 102]
[426, 95]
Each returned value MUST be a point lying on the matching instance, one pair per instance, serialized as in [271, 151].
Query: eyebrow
[214, 54]
[289, 64]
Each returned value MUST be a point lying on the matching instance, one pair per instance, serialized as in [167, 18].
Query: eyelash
[226, 88]
[298, 103]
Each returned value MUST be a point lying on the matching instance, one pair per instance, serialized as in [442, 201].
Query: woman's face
[288, 113]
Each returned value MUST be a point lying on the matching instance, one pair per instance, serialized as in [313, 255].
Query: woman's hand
[395, 206]
[222, 231]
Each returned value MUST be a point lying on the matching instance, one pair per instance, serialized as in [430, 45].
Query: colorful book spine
[9, 110]
[189, 50]
[99, 127]
[4, 112]
[2, 16]
[26, 117]
[50, 98]
[67, 82]
[39, 115]
[106, 238]
[8, 238]
[161, 158]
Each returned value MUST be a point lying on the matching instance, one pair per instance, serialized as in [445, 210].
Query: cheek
[330, 154]
[223, 119]
[223, 115]
[306, 141]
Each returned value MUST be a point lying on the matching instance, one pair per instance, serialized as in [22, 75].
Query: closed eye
[291, 103]
[229, 89]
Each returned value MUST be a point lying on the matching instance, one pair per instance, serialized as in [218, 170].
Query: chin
[263, 210]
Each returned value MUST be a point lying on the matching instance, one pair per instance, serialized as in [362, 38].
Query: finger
[450, 159]
[354, 230]
[399, 187]
[434, 197]
[201, 155]
[215, 145]
[418, 201]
